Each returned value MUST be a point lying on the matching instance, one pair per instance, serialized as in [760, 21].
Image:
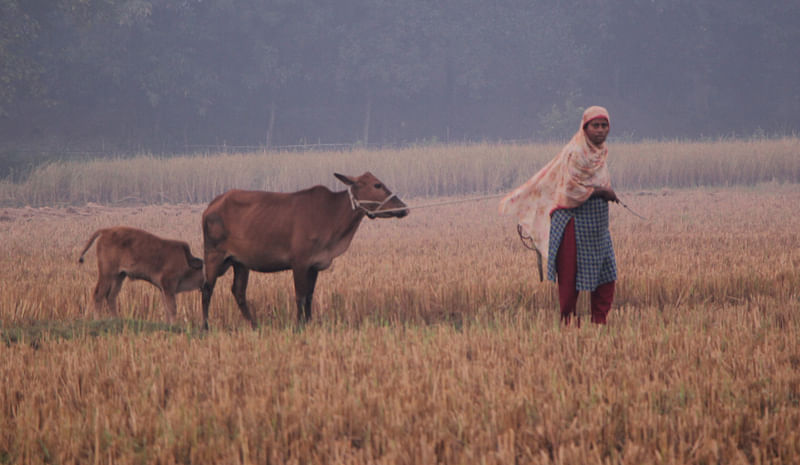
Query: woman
[564, 208]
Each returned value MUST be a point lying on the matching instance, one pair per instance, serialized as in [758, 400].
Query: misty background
[173, 76]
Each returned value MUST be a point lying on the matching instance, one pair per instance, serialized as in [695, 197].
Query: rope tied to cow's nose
[436, 204]
[357, 204]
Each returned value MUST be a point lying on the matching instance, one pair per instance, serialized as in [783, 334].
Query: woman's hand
[605, 193]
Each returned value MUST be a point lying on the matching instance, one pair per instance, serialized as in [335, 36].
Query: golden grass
[424, 171]
[708, 246]
[431, 341]
[703, 389]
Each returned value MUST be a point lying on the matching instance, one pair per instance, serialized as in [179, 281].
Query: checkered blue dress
[596, 263]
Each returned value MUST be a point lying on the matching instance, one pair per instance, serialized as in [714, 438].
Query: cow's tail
[89, 244]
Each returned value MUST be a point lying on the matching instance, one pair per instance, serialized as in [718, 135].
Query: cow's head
[369, 194]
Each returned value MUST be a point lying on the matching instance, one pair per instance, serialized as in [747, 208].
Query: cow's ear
[345, 179]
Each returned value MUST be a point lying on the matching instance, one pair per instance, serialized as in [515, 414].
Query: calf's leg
[171, 306]
[116, 286]
[105, 293]
[168, 289]
[101, 290]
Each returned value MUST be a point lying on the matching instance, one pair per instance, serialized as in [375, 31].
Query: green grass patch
[41, 331]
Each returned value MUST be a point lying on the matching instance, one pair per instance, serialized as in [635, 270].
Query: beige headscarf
[564, 182]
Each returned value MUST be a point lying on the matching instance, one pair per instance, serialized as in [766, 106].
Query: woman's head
[595, 125]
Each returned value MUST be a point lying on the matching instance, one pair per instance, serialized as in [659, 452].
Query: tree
[19, 72]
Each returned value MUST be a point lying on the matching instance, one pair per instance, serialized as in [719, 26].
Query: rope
[359, 204]
[470, 199]
[527, 241]
[436, 204]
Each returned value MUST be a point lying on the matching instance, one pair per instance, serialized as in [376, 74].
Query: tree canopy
[167, 74]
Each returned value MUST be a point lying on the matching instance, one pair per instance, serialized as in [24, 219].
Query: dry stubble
[431, 341]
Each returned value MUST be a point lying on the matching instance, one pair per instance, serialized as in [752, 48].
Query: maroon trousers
[566, 269]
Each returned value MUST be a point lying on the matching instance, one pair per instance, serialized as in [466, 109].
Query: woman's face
[597, 130]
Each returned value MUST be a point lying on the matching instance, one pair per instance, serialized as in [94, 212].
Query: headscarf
[565, 182]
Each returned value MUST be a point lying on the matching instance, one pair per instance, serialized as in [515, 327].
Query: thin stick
[630, 210]
[527, 241]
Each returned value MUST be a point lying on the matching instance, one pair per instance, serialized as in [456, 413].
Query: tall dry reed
[425, 171]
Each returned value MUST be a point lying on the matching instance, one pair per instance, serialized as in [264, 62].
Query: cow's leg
[116, 286]
[312, 283]
[305, 279]
[239, 289]
[208, 290]
[215, 266]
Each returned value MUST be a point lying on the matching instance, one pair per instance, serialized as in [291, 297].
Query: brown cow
[137, 254]
[301, 231]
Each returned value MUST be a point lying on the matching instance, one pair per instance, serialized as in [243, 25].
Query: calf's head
[193, 277]
[371, 195]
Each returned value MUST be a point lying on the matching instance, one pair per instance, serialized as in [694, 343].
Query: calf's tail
[89, 244]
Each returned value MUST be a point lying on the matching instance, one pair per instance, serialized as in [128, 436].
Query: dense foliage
[166, 75]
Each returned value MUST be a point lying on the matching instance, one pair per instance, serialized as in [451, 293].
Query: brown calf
[301, 231]
[137, 254]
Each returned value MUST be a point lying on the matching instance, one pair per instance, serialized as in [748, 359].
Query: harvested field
[432, 340]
